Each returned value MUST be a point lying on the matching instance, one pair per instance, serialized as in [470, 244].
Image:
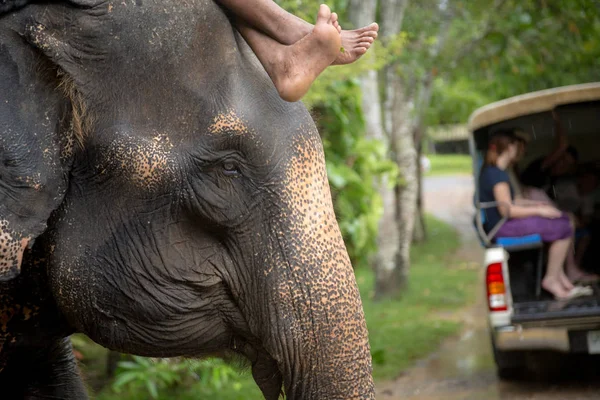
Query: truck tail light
[496, 289]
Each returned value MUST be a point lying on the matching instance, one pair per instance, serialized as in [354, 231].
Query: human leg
[575, 257]
[570, 262]
[559, 233]
[573, 269]
[557, 254]
[294, 68]
[286, 28]
[565, 281]
[268, 17]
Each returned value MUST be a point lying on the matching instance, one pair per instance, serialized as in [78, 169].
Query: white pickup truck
[524, 320]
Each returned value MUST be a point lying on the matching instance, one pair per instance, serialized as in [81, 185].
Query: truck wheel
[510, 365]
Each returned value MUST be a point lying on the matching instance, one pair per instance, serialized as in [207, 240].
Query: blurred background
[394, 131]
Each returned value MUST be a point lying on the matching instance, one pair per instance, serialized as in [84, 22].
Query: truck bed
[579, 312]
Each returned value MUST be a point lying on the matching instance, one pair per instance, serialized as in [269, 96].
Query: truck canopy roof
[532, 103]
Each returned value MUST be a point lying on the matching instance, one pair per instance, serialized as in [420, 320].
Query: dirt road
[463, 368]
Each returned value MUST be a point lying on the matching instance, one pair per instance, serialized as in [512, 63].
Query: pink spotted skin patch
[12, 247]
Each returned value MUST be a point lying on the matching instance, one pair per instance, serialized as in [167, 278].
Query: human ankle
[292, 30]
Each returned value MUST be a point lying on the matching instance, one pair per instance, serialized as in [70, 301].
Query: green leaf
[123, 379]
[152, 389]
[129, 365]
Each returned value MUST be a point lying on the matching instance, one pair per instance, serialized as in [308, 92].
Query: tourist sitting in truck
[529, 188]
[551, 224]
[527, 193]
[572, 195]
[575, 195]
[562, 161]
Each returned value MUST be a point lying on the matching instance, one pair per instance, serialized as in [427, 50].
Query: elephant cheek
[317, 296]
[12, 248]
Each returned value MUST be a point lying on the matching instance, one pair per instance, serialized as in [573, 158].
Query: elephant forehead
[195, 31]
[228, 122]
[146, 162]
[33, 181]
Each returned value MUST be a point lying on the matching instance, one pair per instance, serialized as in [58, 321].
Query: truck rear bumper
[513, 339]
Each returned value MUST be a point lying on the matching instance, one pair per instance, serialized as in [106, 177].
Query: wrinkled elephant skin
[179, 207]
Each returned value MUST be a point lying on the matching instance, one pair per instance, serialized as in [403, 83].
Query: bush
[151, 376]
[354, 164]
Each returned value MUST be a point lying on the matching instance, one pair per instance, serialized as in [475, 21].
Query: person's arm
[561, 144]
[508, 209]
[527, 203]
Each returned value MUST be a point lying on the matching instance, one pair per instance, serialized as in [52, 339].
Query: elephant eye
[230, 169]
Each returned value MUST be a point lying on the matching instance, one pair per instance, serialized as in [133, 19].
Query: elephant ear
[33, 162]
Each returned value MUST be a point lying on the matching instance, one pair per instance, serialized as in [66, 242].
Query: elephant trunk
[324, 339]
[321, 340]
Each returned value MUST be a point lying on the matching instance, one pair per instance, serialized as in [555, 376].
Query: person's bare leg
[565, 281]
[557, 255]
[294, 68]
[268, 17]
[286, 28]
[574, 272]
[569, 262]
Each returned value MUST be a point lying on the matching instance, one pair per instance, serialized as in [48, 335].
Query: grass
[406, 329]
[401, 330]
[450, 164]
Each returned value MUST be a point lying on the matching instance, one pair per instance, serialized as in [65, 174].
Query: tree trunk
[397, 120]
[406, 190]
[420, 231]
[423, 103]
[362, 12]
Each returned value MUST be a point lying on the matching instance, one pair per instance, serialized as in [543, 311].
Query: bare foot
[297, 66]
[566, 282]
[555, 286]
[336, 23]
[355, 43]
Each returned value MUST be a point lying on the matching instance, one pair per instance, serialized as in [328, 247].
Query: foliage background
[493, 50]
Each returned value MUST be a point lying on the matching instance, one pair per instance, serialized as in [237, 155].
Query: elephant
[157, 195]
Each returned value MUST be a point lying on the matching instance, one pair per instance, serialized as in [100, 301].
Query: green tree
[474, 52]
[355, 159]
[439, 61]
[512, 48]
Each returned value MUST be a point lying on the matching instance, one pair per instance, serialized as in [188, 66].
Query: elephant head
[190, 208]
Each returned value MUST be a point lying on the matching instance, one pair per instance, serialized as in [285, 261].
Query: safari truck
[524, 320]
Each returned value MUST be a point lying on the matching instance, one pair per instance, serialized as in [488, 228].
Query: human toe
[324, 14]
